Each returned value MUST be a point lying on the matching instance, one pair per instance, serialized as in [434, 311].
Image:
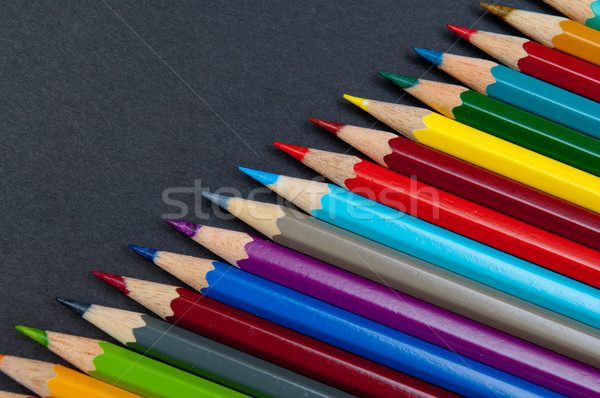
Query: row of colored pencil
[465, 262]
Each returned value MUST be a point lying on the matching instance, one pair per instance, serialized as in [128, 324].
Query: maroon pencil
[269, 341]
[473, 183]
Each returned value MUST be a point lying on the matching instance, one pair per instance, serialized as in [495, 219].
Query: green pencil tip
[37, 335]
[401, 80]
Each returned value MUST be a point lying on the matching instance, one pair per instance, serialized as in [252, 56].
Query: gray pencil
[418, 278]
[200, 355]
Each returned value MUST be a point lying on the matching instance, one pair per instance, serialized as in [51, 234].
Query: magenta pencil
[392, 308]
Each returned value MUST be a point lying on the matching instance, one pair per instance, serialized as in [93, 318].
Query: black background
[107, 108]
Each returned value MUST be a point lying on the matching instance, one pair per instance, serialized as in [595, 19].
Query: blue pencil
[343, 329]
[438, 246]
[520, 90]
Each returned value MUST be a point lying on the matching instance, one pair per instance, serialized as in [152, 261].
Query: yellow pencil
[489, 152]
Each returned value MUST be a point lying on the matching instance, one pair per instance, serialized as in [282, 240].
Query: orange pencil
[50, 380]
[553, 31]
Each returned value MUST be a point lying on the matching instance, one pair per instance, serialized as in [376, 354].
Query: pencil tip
[77, 306]
[261, 176]
[296, 151]
[465, 33]
[187, 228]
[500, 11]
[113, 280]
[434, 57]
[360, 102]
[217, 199]
[144, 251]
[330, 126]
[401, 80]
[37, 335]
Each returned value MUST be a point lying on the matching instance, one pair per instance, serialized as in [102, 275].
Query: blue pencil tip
[143, 251]
[217, 199]
[77, 306]
[435, 57]
[261, 176]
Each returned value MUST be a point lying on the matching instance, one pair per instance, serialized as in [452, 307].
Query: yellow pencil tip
[360, 102]
[500, 11]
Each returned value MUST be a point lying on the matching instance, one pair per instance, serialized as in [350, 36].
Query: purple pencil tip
[187, 228]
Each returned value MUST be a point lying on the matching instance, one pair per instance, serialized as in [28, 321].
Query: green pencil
[126, 369]
[505, 121]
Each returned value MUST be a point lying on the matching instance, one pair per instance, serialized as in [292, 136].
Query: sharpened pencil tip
[435, 57]
[113, 280]
[500, 11]
[37, 335]
[219, 200]
[465, 33]
[187, 228]
[261, 176]
[296, 151]
[77, 306]
[362, 103]
[401, 80]
[330, 126]
[144, 251]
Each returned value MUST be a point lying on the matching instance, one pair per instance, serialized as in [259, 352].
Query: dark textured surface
[106, 107]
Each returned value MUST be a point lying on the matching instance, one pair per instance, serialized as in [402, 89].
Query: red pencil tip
[113, 280]
[465, 33]
[296, 151]
[331, 126]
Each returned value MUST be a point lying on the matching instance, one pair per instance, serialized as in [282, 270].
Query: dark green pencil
[506, 121]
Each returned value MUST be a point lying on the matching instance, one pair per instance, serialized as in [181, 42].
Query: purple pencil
[395, 309]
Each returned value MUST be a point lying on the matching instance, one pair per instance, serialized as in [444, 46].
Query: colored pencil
[392, 308]
[506, 122]
[269, 341]
[453, 213]
[472, 182]
[583, 11]
[57, 381]
[520, 90]
[536, 60]
[417, 278]
[485, 150]
[6, 394]
[126, 369]
[346, 330]
[438, 246]
[200, 355]
[553, 31]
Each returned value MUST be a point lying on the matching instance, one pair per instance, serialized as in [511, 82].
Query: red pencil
[473, 183]
[271, 342]
[454, 213]
[536, 60]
